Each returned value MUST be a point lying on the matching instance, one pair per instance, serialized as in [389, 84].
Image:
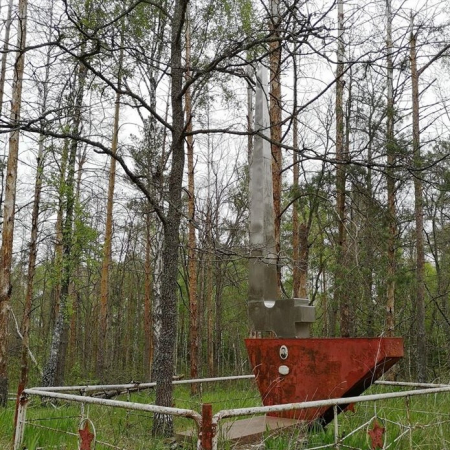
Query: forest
[126, 131]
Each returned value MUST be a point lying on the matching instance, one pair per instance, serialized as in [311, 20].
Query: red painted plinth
[297, 370]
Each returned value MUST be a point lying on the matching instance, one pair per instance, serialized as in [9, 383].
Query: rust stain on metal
[376, 435]
[319, 369]
[207, 431]
[86, 437]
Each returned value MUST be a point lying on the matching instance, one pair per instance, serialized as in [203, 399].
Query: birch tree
[163, 364]
[54, 368]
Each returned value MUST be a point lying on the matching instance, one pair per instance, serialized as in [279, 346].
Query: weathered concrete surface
[262, 267]
[245, 431]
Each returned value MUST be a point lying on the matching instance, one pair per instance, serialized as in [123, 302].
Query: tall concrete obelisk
[263, 273]
[284, 317]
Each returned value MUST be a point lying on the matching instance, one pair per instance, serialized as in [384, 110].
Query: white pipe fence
[427, 388]
[208, 424]
[112, 387]
[21, 417]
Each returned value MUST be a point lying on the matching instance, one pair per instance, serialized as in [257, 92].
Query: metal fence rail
[103, 387]
[21, 417]
[424, 389]
[208, 424]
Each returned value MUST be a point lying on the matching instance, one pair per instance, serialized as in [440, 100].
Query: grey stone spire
[286, 318]
[263, 273]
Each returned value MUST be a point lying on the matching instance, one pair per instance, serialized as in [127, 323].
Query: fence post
[82, 406]
[20, 425]
[336, 427]
[408, 415]
[207, 428]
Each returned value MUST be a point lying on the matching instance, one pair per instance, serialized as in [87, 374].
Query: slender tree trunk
[157, 290]
[58, 262]
[164, 362]
[73, 330]
[2, 90]
[25, 328]
[342, 299]
[10, 201]
[192, 253]
[218, 354]
[295, 185]
[369, 247]
[300, 232]
[324, 298]
[348, 295]
[31, 272]
[158, 263]
[54, 369]
[75, 323]
[148, 288]
[303, 260]
[295, 223]
[107, 246]
[31, 265]
[63, 320]
[418, 209]
[158, 268]
[390, 178]
[275, 124]
[209, 289]
[209, 292]
[5, 53]
[72, 269]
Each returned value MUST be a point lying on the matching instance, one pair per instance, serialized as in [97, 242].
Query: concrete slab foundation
[246, 431]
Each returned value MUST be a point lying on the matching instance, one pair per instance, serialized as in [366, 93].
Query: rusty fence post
[20, 424]
[207, 428]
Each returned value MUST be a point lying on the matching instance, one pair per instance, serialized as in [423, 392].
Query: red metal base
[297, 370]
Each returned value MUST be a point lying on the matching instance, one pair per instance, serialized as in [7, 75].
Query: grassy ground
[118, 427]
[415, 423]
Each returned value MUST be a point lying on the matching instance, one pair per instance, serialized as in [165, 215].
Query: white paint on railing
[117, 403]
[334, 402]
[60, 392]
[97, 401]
[319, 403]
[124, 387]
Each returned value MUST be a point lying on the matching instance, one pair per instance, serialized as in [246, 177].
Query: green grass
[6, 426]
[429, 417]
[127, 429]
